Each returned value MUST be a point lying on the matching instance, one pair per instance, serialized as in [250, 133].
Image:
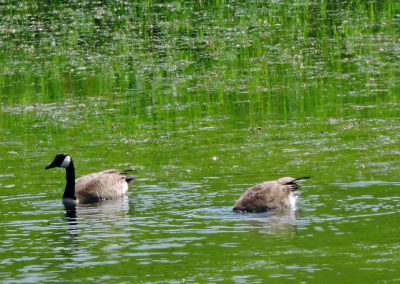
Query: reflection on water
[281, 222]
[304, 88]
[224, 212]
[97, 212]
[102, 235]
[70, 212]
[104, 209]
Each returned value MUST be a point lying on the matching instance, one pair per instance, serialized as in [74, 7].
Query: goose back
[269, 195]
[108, 184]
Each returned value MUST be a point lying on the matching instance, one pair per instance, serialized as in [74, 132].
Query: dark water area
[204, 99]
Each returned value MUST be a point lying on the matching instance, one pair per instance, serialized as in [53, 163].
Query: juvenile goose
[95, 187]
[269, 195]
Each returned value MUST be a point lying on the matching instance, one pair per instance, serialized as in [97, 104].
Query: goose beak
[49, 166]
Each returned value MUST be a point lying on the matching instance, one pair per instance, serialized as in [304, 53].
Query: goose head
[61, 161]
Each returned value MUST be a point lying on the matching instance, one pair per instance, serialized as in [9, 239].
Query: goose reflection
[105, 214]
[82, 221]
[70, 212]
[104, 210]
[280, 222]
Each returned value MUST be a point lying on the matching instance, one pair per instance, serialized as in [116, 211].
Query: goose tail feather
[130, 179]
[301, 178]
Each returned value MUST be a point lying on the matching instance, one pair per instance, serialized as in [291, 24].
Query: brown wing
[264, 196]
[108, 184]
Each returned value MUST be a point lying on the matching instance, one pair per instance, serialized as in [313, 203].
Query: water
[203, 99]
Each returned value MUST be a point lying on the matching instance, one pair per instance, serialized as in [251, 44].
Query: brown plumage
[109, 184]
[269, 195]
[95, 187]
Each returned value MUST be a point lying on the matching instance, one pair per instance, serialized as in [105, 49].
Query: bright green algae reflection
[204, 99]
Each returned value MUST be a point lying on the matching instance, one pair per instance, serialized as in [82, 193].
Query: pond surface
[204, 99]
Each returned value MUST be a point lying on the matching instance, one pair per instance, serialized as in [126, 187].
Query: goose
[91, 188]
[276, 194]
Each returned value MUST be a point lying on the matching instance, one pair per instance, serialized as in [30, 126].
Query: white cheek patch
[66, 162]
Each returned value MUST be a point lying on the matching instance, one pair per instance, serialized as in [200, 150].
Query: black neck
[69, 191]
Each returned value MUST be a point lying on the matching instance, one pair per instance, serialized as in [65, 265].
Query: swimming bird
[95, 187]
[276, 194]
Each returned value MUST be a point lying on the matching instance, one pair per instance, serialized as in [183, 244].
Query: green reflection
[204, 98]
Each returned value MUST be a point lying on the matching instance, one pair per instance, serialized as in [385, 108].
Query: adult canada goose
[95, 187]
[276, 194]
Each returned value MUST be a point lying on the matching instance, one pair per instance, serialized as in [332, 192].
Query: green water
[204, 99]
